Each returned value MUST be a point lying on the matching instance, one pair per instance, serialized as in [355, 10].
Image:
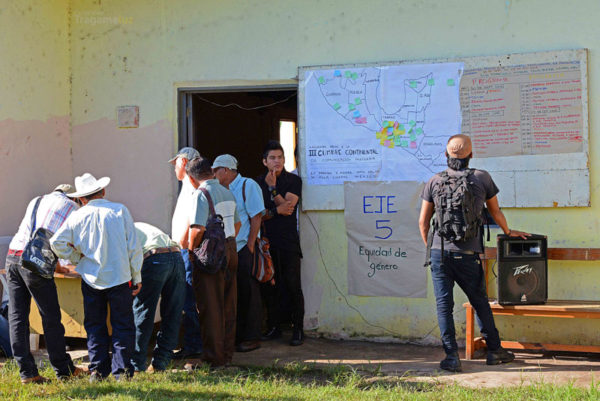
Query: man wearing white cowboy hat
[101, 239]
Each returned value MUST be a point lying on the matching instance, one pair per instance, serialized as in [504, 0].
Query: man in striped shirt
[52, 211]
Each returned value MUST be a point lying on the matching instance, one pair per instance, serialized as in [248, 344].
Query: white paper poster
[380, 123]
[385, 250]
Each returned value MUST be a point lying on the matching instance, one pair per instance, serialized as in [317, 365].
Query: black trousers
[287, 282]
[22, 285]
[249, 305]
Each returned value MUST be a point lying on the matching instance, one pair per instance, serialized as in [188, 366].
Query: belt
[167, 249]
[12, 252]
[461, 252]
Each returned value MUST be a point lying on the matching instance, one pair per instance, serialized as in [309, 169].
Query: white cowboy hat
[87, 184]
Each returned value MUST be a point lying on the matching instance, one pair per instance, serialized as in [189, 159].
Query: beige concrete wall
[139, 52]
[34, 104]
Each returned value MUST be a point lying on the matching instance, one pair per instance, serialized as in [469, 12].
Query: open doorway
[239, 122]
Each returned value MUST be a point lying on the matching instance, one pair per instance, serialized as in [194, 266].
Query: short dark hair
[199, 168]
[93, 195]
[272, 145]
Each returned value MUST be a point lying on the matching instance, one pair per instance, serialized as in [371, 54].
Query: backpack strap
[430, 235]
[263, 229]
[211, 206]
[33, 216]
[244, 198]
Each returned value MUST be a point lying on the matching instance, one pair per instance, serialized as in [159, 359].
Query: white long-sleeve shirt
[101, 238]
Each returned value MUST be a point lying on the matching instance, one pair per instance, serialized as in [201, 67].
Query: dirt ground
[415, 362]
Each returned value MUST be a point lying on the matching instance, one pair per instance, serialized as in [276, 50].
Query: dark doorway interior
[239, 123]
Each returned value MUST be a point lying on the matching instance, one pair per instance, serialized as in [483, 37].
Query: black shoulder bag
[37, 255]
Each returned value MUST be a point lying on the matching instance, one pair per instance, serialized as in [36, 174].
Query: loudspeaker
[522, 270]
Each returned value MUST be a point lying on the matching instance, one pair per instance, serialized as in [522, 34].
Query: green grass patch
[291, 382]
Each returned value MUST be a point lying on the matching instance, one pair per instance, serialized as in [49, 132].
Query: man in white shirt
[192, 342]
[23, 284]
[101, 239]
[216, 293]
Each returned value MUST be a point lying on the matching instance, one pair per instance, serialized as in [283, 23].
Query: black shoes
[499, 356]
[451, 363]
[185, 354]
[272, 334]
[247, 346]
[297, 337]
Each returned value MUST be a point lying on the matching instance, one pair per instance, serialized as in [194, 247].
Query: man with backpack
[457, 196]
[50, 212]
[214, 223]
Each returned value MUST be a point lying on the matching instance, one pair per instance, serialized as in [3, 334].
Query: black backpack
[210, 256]
[455, 218]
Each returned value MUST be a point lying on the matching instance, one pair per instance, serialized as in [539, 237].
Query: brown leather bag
[263, 269]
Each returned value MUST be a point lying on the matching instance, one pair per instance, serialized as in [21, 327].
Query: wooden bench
[570, 309]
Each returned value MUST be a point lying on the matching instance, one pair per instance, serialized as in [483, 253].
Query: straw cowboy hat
[87, 184]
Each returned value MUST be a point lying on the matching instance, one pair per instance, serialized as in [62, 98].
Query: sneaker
[35, 380]
[297, 337]
[499, 356]
[451, 363]
[272, 334]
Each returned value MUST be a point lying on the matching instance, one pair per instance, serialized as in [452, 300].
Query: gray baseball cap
[227, 161]
[187, 152]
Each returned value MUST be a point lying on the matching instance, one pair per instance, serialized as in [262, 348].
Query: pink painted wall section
[35, 157]
[136, 161]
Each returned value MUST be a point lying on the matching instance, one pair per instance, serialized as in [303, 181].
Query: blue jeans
[192, 337]
[22, 285]
[95, 308]
[4, 331]
[163, 275]
[467, 272]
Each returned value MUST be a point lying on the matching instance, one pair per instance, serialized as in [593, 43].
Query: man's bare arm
[195, 236]
[254, 228]
[425, 219]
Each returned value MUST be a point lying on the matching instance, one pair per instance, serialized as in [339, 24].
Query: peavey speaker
[522, 270]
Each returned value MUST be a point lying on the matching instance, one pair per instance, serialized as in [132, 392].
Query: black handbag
[37, 256]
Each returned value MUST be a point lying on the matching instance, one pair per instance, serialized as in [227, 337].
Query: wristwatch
[273, 191]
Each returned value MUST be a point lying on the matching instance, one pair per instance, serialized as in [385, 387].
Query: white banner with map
[385, 250]
[380, 123]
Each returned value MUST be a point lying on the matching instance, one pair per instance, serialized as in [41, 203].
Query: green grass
[291, 382]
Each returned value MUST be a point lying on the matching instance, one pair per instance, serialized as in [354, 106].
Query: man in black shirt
[458, 261]
[281, 192]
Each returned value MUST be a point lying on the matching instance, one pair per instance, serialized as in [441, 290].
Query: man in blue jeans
[52, 211]
[192, 341]
[101, 238]
[459, 262]
[163, 276]
[4, 331]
